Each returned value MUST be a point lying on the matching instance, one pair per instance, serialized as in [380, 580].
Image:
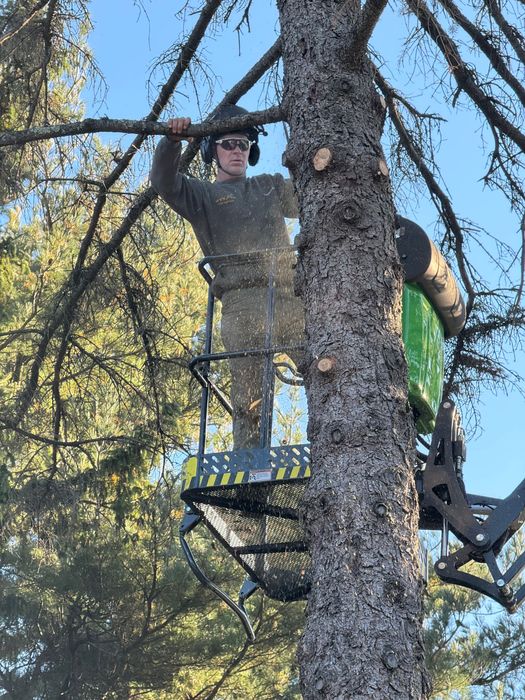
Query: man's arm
[184, 195]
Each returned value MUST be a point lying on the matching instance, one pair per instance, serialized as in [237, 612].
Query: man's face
[235, 161]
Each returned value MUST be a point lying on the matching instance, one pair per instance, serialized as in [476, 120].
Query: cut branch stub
[337, 434]
[381, 168]
[322, 159]
[286, 160]
[344, 84]
[325, 365]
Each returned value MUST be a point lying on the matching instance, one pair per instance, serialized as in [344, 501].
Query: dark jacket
[238, 216]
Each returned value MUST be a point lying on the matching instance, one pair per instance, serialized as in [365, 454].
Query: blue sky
[126, 43]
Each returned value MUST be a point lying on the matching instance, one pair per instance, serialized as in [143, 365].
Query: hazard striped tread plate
[212, 470]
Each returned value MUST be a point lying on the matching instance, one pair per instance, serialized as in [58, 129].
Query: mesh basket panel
[259, 523]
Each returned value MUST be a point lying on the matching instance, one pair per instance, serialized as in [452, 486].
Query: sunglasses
[232, 144]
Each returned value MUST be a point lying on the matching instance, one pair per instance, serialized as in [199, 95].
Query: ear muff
[255, 152]
[207, 148]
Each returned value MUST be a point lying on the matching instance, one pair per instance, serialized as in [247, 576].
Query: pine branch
[121, 439]
[82, 277]
[490, 51]
[134, 126]
[464, 77]
[145, 336]
[210, 692]
[70, 298]
[447, 212]
[47, 57]
[23, 22]
[367, 20]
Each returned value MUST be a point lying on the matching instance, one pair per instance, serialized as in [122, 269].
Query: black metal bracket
[248, 588]
[190, 521]
[443, 489]
[483, 525]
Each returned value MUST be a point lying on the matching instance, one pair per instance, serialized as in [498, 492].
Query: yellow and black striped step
[238, 467]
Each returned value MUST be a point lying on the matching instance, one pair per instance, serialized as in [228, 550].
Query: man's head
[223, 147]
[232, 152]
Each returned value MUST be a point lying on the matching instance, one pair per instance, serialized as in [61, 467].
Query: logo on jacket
[226, 199]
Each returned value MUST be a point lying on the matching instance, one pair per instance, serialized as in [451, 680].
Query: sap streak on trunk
[363, 629]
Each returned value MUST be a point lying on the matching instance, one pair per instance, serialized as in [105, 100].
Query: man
[238, 214]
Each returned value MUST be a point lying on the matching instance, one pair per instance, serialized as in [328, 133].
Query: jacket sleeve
[185, 195]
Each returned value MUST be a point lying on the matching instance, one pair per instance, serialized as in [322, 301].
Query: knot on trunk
[349, 213]
[380, 509]
[390, 659]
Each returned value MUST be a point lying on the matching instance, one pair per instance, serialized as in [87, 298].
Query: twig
[512, 35]
[517, 301]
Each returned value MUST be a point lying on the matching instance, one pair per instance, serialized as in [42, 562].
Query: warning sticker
[260, 475]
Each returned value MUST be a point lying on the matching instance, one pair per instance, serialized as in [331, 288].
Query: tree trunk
[363, 628]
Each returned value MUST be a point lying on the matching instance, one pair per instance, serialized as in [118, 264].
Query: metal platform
[249, 500]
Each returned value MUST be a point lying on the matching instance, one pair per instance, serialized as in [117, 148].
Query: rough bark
[363, 631]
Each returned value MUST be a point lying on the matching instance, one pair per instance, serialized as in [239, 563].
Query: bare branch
[512, 35]
[464, 77]
[126, 439]
[131, 126]
[23, 22]
[186, 54]
[367, 20]
[487, 47]
[446, 212]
